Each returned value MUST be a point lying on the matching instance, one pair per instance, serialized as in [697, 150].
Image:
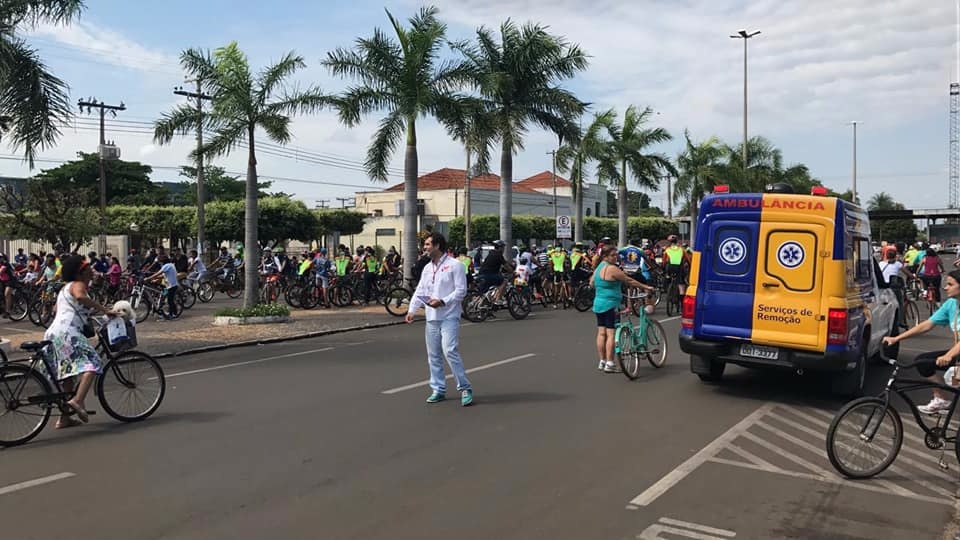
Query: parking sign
[564, 230]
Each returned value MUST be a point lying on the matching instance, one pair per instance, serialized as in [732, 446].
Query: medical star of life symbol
[790, 254]
[732, 251]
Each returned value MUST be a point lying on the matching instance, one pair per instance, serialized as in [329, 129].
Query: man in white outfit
[442, 287]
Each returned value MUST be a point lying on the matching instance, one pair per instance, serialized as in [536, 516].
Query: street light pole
[553, 154]
[744, 35]
[855, 198]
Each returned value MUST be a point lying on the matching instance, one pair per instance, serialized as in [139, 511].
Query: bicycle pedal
[943, 464]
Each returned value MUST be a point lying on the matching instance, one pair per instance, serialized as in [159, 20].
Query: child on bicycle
[931, 362]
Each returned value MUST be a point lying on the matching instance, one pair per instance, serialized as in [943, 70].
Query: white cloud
[103, 45]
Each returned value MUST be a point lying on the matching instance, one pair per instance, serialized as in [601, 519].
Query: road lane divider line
[681, 471]
[450, 376]
[36, 482]
[668, 319]
[247, 363]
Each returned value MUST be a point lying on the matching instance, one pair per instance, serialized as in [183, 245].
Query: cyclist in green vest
[560, 264]
[580, 268]
[467, 263]
[674, 257]
[342, 263]
[370, 267]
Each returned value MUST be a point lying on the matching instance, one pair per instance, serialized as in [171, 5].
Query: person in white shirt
[442, 287]
[169, 273]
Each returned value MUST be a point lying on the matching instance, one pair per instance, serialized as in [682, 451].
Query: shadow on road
[519, 397]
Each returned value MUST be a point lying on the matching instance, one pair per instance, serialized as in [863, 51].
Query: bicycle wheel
[397, 301]
[234, 290]
[627, 356]
[24, 395]
[654, 344]
[584, 298]
[293, 296]
[864, 438]
[206, 292]
[46, 314]
[18, 307]
[911, 314]
[673, 302]
[474, 307]
[141, 306]
[131, 386]
[308, 296]
[341, 295]
[187, 297]
[33, 312]
[164, 310]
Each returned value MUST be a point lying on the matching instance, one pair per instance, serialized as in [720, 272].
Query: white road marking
[8, 328]
[668, 319]
[684, 529]
[471, 370]
[248, 362]
[699, 458]
[36, 482]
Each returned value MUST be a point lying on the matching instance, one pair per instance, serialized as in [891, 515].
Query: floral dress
[70, 354]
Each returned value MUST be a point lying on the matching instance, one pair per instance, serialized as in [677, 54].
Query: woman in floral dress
[74, 359]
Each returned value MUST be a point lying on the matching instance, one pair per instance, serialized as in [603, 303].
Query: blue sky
[817, 65]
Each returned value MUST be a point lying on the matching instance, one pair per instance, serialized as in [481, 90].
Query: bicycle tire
[655, 344]
[46, 314]
[33, 312]
[584, 298]
[125, 374]
[206, 292]
[517, 306]
[845, 417]
[294, 296]
[15, 379]
[673, 303]
[627, 356]
[397, 301]
[19, 306]
[234, 291]
[911, 314]
[163, 308]
[308, 296]
[187, 297]
[142, 306]
[342, 295]
[474, 309]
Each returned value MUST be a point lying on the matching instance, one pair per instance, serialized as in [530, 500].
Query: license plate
[757, 351]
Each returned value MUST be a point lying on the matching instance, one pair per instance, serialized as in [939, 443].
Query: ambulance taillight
[686, 312]
[837, 327]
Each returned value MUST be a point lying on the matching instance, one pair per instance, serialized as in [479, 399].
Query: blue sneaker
[436, 397]
[466, 398]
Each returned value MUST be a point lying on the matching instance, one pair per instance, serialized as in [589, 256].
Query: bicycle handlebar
[905, 365]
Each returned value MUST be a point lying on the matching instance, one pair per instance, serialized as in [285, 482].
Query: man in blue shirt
[634, 262]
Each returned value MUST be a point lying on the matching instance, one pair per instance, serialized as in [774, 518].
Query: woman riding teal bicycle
[931, 362]
[606, 280]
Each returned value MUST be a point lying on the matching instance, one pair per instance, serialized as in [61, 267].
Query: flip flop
[69, 423]
[81, 414]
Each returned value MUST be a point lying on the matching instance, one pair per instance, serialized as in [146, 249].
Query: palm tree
[473, 128]
[519, 76]
[881, 201]
[405, 78]
[700, 170]
[626, 149]
[32, 100]
[764, 164]
[574, 157]
[243, 103]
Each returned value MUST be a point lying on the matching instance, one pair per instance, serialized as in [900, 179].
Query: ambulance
[787, 281]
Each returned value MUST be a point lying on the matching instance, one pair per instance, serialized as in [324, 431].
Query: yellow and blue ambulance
[781, 280]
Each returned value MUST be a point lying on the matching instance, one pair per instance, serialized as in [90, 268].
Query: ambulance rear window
[734, 250]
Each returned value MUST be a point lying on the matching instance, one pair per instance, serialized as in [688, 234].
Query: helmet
[672, 238]
[499, 244]
[606, 240]
[323, 251]
[267, 250]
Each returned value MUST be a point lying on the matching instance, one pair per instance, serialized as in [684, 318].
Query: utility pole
[322, 203]
[343, 201]
[466, 204]
[103, 108]
[744, 35]
[201, 195]
[553, 155]
[855, 198]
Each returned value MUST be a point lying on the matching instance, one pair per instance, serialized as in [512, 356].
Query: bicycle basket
[121, 345]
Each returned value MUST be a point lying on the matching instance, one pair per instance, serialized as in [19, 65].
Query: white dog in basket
[125, 309]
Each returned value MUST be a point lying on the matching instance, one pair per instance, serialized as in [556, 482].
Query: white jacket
[444, 280]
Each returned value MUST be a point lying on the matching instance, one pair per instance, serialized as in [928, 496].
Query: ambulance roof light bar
[721, 188]
[819, 190]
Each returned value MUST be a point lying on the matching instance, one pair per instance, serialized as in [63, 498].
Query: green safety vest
[305, 265]
[372, 264]
[342, 263]
[675, 253]
[575, 258]
[558, 257]
[466, 261]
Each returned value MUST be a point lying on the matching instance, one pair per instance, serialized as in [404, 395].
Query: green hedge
[487, 228]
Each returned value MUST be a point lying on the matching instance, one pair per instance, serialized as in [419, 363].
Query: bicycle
[29, 393]
[478, 307]
[930, 295]
[647, 338]
[879, 424]
[673, 296]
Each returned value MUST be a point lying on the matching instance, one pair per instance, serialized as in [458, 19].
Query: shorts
[608, 319]
[488, 281]
[927, 363]
[323, 281]
[676, 270]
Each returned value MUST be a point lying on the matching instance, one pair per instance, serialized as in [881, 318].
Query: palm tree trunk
[410, 164]
[578, 210]
[250, 241]
[506, 196]
[623, 209]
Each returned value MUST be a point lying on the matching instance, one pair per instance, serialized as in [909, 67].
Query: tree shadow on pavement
[519, 397]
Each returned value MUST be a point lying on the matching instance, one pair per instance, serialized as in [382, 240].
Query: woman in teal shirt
[606, 280]
[930, 362]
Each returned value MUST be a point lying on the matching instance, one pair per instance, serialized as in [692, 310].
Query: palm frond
[34, 12]
[276, 126]
[223, 141]
[299, 102]
[383, 144]
[272, 76]
[182, 120]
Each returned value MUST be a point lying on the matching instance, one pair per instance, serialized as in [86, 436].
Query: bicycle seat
[34, 345]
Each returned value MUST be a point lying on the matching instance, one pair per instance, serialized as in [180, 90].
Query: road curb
[267, 341]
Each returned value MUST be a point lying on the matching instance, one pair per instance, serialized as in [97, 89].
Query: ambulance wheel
[850, 383]
[714, 369]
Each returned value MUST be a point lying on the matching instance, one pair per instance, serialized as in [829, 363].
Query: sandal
[67, 423]
[81, 414]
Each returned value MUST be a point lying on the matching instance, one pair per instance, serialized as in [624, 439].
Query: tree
[518, 76]
[32, 100]
[242, 103]
[41, 211]
[882, 201]
[638, 204]
[627, 147]
[577, 153]
[699, 171]
[404, 78]
[128, 182]
[217, 185]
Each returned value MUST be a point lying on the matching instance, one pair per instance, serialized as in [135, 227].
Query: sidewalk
[196, 330]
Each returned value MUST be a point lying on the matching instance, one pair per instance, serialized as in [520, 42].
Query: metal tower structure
[954, 200]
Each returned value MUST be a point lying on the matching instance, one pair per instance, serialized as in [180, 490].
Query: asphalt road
[300, 440]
